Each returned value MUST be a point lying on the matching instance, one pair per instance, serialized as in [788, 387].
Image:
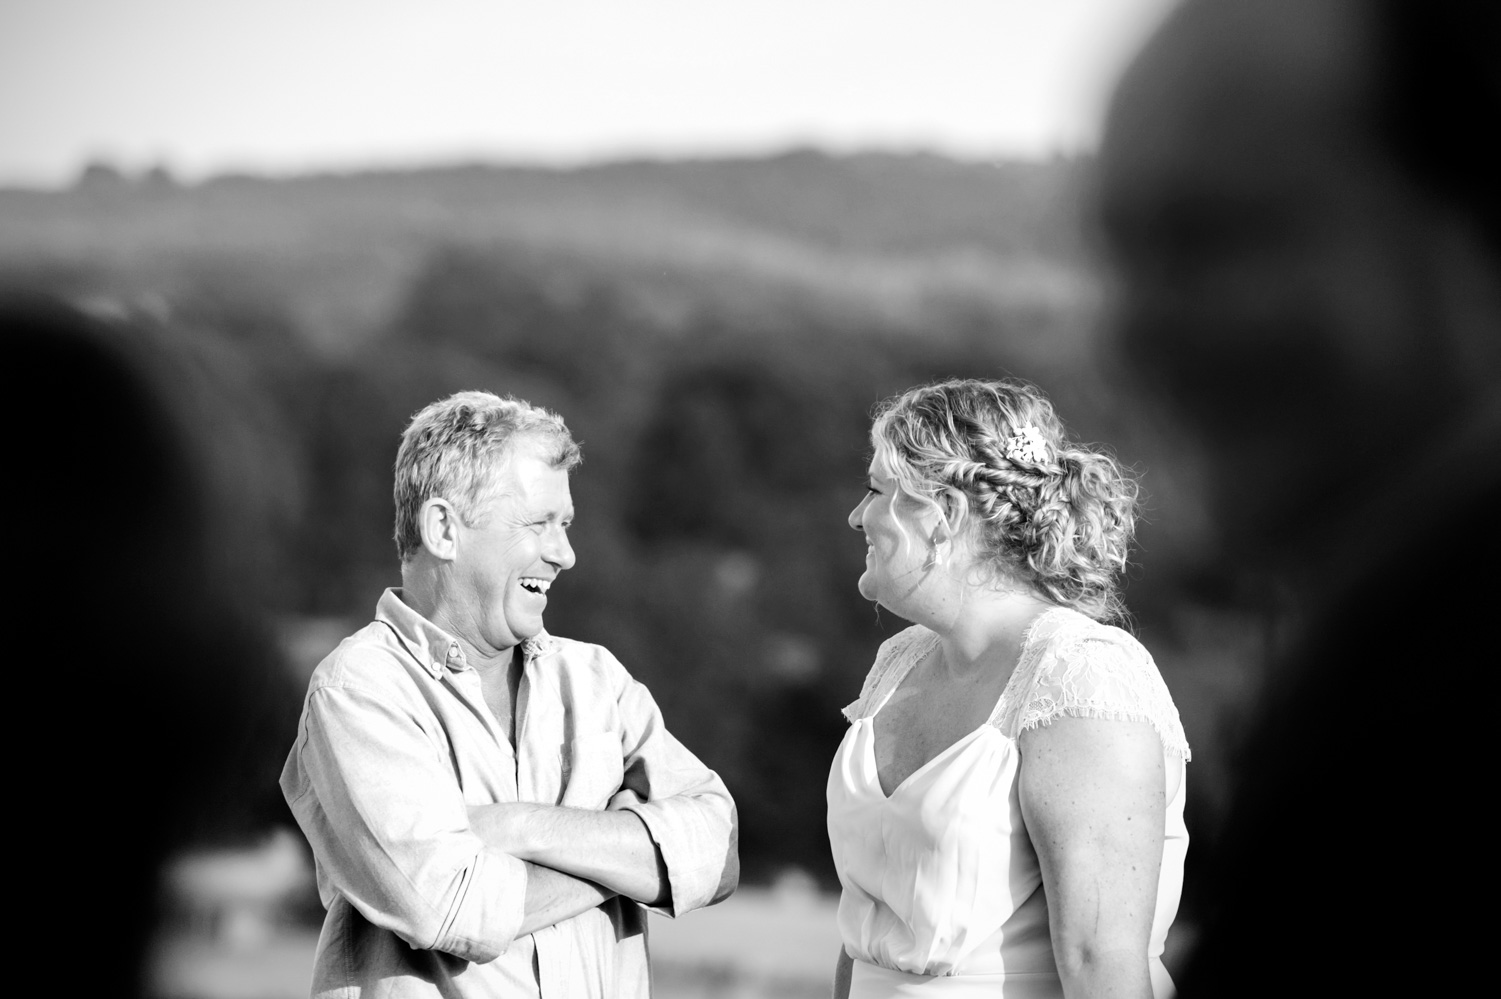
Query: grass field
[758, 943]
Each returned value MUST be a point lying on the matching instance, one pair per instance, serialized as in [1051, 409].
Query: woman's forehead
[881, 464]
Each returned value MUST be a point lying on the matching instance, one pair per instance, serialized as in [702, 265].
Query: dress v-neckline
[1028, 637]
[875, 769]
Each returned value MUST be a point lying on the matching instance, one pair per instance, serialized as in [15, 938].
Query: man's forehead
[530, 480]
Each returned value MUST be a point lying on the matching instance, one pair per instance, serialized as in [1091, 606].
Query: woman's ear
[954, 506]
[438, 523]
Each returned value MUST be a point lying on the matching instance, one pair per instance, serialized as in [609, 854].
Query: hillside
[871, 238]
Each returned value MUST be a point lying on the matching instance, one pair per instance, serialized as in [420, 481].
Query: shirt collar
[538, 645]
[435, 648]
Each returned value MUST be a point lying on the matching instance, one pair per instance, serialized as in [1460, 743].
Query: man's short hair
[455, 447]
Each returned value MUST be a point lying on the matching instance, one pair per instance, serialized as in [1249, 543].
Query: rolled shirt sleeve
[388, 823]
[683, 803]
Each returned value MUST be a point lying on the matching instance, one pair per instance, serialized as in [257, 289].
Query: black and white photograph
[588, 500]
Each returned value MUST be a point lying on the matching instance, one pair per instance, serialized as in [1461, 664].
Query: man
[1303, 210]
[493, 808]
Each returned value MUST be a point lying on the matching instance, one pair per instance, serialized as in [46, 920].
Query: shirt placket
[515, 779]
[555, 952]
[466, 683]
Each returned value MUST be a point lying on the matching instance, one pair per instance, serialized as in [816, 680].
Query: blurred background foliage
[715, 333]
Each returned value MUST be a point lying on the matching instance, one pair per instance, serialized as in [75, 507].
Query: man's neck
[423, 591]
[419, 588]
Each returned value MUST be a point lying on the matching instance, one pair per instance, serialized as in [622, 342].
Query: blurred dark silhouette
[170, 711]
[1302, 201]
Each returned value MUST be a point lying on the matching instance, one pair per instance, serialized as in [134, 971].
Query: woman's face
[896, 556]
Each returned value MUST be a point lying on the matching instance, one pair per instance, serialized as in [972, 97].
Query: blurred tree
[100, 177]
[534, 317]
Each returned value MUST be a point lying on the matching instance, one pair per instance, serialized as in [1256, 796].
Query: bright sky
[282, 86]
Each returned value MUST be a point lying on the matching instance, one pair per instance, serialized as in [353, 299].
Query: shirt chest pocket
[592, 770]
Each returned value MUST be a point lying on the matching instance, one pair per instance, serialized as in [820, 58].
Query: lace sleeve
[887, 669]
[1101, 673]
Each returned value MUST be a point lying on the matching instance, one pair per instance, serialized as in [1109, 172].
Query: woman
[1006, 808]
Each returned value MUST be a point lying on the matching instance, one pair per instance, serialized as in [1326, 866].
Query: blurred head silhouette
[124, 513]
[150, 697]
[1301, 200]
[1301, 203]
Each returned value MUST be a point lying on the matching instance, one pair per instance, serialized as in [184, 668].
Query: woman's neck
[986, 623]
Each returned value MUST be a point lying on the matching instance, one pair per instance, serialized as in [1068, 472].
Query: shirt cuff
[488, 910]
[695, 843]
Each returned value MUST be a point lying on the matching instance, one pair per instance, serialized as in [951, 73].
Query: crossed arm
[393, 835]
[576, 858]
[665, 837]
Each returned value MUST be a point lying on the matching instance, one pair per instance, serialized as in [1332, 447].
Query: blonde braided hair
[1061, 521]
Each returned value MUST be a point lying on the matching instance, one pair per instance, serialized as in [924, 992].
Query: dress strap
[1072, 665]
[896, 657]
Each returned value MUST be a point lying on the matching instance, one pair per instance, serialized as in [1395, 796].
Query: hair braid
[1061, 520]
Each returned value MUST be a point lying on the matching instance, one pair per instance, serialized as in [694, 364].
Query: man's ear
[438, 523]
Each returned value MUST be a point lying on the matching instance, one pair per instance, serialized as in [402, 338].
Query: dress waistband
[871, 981]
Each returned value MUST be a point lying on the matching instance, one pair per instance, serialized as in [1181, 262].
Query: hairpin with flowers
[1027, 446]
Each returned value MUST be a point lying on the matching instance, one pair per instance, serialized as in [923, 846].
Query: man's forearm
[612, 848]
[552, 896]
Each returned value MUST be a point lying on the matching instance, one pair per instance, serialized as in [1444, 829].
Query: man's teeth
[536, 585]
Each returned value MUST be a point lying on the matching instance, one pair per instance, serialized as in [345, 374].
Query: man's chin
[516, 632]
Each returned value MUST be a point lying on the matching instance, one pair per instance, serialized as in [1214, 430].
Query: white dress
[942, 891]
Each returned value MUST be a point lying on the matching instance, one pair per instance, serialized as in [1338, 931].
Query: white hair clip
[1027, 446]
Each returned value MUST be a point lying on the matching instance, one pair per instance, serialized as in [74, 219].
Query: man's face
[508, 557]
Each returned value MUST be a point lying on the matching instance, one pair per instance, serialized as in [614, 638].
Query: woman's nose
[855, 514]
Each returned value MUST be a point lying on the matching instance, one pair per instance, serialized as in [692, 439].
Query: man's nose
[560, 552]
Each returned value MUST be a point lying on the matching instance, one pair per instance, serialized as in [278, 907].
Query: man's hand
[620, 799]
[552, 896]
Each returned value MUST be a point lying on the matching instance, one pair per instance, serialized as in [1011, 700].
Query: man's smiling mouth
[536, 585]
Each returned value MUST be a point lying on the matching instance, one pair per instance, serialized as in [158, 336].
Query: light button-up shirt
[396, 744]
